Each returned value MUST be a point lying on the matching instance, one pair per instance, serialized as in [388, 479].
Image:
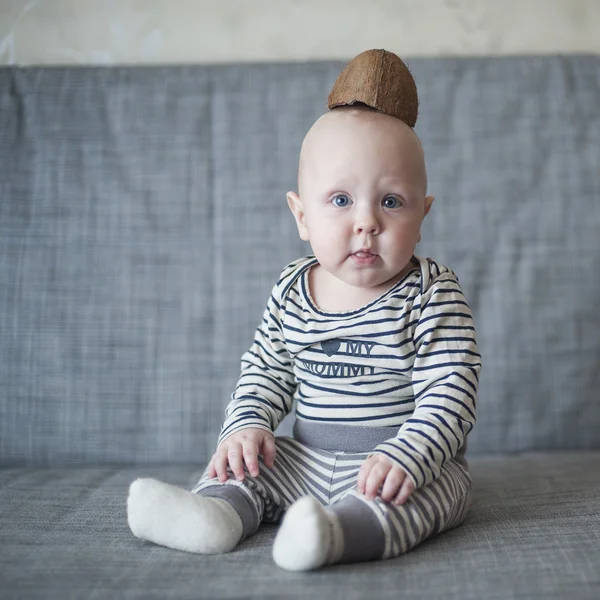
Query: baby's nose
[366, 223]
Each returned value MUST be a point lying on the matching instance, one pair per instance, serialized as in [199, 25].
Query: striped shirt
[408, 360]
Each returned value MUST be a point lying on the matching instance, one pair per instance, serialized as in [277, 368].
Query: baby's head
[362, 194]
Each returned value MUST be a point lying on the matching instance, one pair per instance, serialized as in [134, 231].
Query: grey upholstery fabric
[533, 533]
[143, 222]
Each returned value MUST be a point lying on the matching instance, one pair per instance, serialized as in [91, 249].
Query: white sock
[173, 517]
[309, 537]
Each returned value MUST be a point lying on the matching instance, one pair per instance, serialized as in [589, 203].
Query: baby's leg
[437, 507]
[215, 516]
[298, 471]
[355, 529]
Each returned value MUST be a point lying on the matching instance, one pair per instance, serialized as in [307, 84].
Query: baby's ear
[297, 209]
[428, 202]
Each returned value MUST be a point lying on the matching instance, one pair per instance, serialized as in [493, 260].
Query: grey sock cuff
[364, 538]
[240, 502]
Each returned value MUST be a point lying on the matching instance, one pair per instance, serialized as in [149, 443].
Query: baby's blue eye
[341, 201]
[391, 202]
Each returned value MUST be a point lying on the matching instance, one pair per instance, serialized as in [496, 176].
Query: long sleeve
[445, 379]
[264, 392]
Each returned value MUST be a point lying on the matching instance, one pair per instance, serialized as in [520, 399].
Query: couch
[143, 222]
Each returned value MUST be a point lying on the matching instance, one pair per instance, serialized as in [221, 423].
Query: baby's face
[361, 201]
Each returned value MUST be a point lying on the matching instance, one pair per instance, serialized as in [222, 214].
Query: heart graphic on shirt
[330, 346]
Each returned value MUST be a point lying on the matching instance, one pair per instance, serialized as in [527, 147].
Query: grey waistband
[333, 437]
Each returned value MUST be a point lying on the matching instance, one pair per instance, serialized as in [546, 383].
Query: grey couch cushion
[143, 222]
[533, 532]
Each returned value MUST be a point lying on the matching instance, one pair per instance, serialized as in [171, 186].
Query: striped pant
[373, 529]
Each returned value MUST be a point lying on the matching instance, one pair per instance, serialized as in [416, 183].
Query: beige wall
[209, 31]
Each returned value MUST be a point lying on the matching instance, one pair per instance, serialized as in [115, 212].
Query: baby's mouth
[363, 257]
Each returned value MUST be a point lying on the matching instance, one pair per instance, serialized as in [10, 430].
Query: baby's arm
[264, 392]
[445, 381]
[262, 398]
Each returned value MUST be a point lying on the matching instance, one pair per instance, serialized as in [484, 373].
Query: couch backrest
[143, 222]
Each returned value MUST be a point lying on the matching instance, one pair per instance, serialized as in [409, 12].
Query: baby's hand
[246, 444]
[376, 471]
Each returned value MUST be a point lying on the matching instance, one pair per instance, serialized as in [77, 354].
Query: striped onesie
[397, 377]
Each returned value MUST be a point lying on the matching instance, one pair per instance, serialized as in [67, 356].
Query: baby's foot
[173, 517]
[309, 537]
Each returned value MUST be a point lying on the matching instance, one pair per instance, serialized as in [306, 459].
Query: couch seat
[533, 532]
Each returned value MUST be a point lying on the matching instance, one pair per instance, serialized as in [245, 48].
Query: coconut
[381, 80]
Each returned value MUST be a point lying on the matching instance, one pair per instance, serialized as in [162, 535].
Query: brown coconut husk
[381, 80]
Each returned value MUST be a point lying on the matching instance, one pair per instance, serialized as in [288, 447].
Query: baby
[377, 347]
